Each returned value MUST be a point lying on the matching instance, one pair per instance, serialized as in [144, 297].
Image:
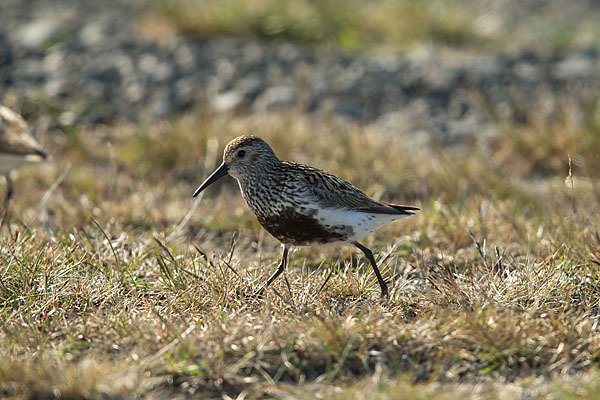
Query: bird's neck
[260, 184]
[261, 171]
[256, 176]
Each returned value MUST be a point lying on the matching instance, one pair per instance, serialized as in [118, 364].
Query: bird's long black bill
[219, 173]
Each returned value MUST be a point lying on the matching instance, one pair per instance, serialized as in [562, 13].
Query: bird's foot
[259, 294]
[384, 290]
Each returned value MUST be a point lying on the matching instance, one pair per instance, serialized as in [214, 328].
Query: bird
[300, 205]
[17, 147]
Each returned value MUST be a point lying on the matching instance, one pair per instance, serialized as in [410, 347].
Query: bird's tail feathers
[408, 210]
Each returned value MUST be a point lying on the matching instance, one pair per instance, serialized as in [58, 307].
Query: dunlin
[300, 205]
[17, 146]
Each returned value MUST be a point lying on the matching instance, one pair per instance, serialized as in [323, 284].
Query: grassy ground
[494, 284]
[384, 24]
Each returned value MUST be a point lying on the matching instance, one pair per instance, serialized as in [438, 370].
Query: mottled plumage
[300, 205]
[17, 146]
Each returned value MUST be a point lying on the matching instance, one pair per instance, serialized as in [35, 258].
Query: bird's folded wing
[332, 192]
[15, 136]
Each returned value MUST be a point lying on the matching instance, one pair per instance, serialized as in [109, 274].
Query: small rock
[574, 67]
[276, 97]
[35, 34]
[226, 101]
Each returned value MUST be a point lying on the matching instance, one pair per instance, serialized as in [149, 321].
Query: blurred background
[442, 70]
[145, 86]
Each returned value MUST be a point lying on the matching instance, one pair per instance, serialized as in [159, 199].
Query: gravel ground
[88, 60]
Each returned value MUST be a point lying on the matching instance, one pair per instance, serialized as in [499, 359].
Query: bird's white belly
[8, 161]
[361, 223]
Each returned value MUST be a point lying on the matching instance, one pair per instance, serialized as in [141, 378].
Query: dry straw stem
[493, 286]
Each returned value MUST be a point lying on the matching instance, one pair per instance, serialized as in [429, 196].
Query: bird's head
[241, 157]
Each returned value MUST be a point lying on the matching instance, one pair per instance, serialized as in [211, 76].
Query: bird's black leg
[280, 268]
[9, 192]
[369, 254]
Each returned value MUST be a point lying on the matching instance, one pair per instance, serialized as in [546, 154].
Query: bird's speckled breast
[292, 227]
[285, 215]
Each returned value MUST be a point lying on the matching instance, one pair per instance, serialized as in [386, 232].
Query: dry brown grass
[494, 285]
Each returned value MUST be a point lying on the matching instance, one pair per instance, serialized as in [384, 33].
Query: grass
[390, 24]
[353, 25]
[494, 284]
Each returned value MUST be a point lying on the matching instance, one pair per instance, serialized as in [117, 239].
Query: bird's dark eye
[241, 153]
